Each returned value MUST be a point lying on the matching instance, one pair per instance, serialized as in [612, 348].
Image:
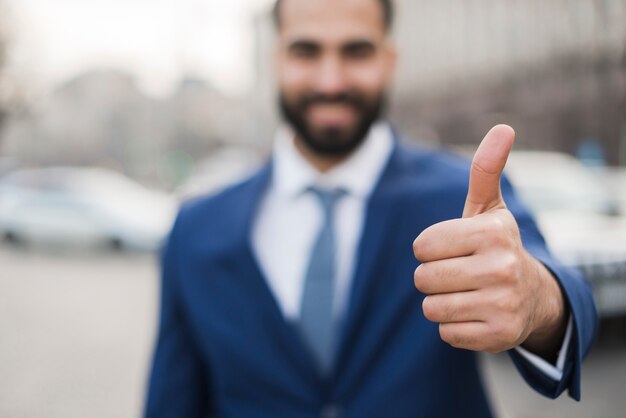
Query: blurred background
[112, 113]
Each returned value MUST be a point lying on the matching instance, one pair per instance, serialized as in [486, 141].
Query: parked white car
[580, 219]
[79, 207]
[616, 180]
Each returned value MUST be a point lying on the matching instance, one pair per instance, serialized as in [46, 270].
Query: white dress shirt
[289, 220]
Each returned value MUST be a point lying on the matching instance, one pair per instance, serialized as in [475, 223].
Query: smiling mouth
[326, 115]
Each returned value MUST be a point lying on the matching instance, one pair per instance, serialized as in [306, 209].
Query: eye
[359, 50]
[304, 49]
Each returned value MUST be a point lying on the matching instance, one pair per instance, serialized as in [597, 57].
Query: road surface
[76, 334]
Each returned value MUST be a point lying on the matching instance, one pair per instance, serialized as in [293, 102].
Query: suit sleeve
[578, 298]
[178, 382]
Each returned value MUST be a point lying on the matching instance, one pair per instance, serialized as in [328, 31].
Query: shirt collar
[357, 175]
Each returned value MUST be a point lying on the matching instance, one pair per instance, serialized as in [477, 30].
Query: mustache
[348, 98]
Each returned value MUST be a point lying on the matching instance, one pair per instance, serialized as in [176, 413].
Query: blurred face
[335, 63]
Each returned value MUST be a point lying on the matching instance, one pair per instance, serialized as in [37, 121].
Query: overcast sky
[157, 40]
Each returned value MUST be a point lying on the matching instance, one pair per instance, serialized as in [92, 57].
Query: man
[293, 293]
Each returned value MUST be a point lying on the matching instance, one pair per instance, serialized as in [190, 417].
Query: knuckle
[425, 243]
[508, 219]
[499, 240]
[419, 278]
[500, 332]
[497, 233]
[508, 303]
[447, 335]
[504, 305]
[505, 268]
[420, 246]
[514, 336]
[430, 309]
[494, 226]
[441, 308]
[451, 337]
[510, 333]
[519, 329]
[509, 262]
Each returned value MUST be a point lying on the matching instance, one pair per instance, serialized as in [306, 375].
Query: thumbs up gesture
[485, 291]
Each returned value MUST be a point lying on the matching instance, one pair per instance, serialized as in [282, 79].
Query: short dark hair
[387, 5]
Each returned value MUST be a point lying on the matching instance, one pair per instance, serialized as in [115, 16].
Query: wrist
[550, 318]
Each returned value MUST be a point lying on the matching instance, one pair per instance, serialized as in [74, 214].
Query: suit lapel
[384, 206]
[284, 333]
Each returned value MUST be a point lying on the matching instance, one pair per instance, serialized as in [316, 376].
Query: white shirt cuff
[555, 372]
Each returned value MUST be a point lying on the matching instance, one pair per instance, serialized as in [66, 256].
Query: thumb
[487, 166]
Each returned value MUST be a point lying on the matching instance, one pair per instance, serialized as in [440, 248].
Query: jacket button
[331, 411]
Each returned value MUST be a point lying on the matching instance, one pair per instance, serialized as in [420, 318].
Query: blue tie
[316, 312]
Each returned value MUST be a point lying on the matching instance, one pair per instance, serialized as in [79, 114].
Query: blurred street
[77, 333]
[104, 134]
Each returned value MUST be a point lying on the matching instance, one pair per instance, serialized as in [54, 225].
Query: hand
[485, 291]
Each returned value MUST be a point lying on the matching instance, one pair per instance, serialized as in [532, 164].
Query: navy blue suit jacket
[225, 350]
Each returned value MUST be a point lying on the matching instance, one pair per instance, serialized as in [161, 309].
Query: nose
[330, 77]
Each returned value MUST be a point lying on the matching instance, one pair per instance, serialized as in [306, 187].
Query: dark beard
[333, 142]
